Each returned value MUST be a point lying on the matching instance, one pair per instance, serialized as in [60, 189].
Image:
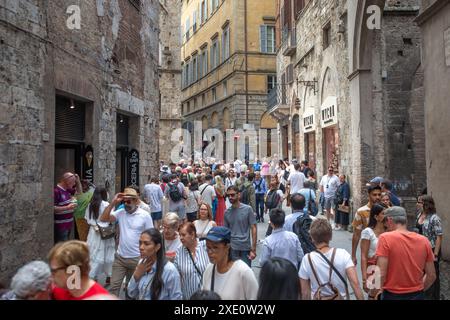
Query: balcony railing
[277, 96]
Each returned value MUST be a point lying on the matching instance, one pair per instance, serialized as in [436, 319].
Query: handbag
[343, 208]
[107, 232]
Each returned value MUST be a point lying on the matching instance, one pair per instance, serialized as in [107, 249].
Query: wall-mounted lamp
[120, 119]
[72, 104]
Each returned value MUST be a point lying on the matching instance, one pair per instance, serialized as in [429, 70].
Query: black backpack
[174, 193]
[273, 199]
[301, 229]
[245, 195]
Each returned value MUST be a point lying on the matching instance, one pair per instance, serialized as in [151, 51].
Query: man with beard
[132, 221]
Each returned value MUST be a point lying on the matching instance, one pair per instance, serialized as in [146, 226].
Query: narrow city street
[122, 120]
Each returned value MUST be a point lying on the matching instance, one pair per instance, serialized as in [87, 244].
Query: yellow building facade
[228, 56]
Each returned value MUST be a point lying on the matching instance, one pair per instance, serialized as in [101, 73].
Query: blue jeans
[260, 207]
[243, 255]
[61, 235]
[386, 295]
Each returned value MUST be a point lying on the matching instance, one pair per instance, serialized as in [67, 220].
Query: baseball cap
[130, 192]
[395, 212]
[219, 234]
[377, 180]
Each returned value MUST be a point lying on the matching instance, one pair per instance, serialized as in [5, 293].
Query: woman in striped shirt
[191, 260]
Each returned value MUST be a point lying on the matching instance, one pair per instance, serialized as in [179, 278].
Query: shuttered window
[70, 123]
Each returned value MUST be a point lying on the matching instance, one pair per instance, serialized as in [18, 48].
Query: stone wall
[25, 187]
[404, 140]
[169, 75]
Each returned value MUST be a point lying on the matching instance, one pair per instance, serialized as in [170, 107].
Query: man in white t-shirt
[328, 186]
[207, 192]
[321, 234]
[132, 221]
[296, 179]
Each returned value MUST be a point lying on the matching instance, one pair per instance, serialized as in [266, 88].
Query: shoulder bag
[195, 266]
[212, 278]
[107, 232]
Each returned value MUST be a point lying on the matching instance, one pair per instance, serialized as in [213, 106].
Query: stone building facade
[73, 79]
[323, 118]
[434, 21]
[228, 62]
[169, 75]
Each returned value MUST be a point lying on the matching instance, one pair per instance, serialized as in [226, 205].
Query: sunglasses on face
[231, 194]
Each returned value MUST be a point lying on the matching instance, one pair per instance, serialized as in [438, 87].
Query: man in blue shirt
[386, 186]
[297, 204]
[260, 191]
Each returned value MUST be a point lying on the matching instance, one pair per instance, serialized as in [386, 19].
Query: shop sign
[328, 112]
[308, 120]
[88, 164]
[133, 168]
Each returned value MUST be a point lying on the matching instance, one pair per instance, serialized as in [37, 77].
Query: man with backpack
[207, 192]
[175, 192]
[247, 192]
[310, 198]
[281, 243]
[260, 191]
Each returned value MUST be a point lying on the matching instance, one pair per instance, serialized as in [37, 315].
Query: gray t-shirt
[240, 221]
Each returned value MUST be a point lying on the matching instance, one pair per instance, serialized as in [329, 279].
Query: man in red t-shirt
[405, 259]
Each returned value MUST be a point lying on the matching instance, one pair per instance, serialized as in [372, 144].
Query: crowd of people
[192, 234]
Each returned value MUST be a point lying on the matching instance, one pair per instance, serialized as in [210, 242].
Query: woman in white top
[369, 242]
[193, 200]
[231, 280]
[170, 223]
[205, 221]
[101, 251]
[315, 270]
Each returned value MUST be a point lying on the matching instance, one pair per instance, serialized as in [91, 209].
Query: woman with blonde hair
[67, 259]
[219, 187]
[205, 221]
[170, 224]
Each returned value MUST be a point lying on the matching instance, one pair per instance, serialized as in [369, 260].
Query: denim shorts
[157, 215]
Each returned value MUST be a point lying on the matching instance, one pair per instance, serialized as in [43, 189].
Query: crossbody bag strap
[335, 270]
[212, 278]
[313, 270]
[201, 193]
[195, 266]
[310, 203]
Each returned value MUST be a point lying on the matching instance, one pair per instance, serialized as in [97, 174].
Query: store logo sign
[329, 112]
[133, 168]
